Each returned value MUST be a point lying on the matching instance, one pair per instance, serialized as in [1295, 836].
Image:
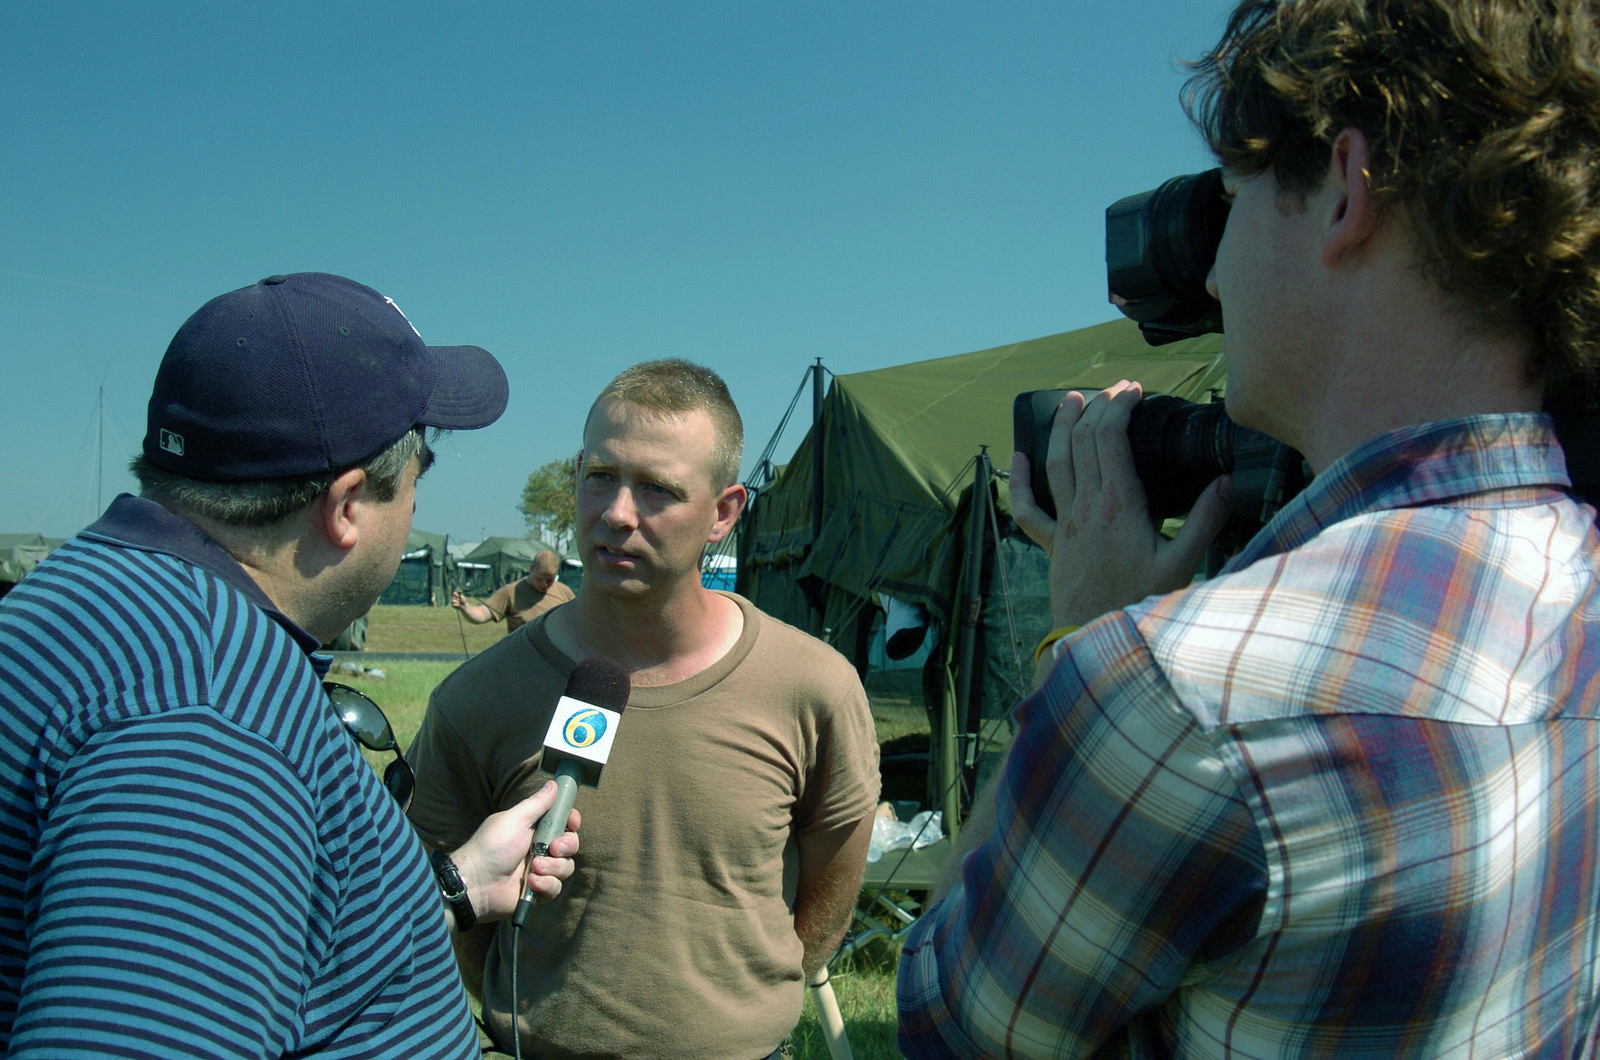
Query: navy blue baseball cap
[304, 374]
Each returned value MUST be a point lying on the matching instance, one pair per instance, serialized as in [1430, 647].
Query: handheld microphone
[576, 747]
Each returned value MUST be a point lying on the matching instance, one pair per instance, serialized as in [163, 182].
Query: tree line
[548, 501]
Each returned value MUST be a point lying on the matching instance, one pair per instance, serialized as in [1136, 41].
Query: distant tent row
[429, 572]
[898, 451]
[420, 578]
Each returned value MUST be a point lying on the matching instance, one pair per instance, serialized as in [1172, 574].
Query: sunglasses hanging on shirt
[364, 720]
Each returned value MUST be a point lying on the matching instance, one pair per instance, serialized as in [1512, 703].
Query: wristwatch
[453, 890]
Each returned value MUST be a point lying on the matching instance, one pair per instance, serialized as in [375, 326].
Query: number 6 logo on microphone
[584, 728]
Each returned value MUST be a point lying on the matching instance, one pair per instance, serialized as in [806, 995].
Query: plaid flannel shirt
[1341, 800]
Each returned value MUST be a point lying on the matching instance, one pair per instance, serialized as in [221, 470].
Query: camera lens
[1178, 448]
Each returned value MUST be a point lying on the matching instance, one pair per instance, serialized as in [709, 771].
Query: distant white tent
[20, 553]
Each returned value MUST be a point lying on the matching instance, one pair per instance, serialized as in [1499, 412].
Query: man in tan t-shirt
[724, 847]
[521, 601]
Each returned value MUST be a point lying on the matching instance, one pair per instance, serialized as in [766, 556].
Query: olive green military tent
[423, 576]
[897, 451]
[503, 559]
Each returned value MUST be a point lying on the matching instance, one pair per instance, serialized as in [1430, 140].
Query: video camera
[1160, 246]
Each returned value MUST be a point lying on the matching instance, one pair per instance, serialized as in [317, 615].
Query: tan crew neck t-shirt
[675, 935]
[520, 603]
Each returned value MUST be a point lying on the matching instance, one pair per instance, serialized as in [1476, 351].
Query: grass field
[429, 629]
[864, 985]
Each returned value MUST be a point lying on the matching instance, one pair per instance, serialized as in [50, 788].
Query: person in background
[521, 601]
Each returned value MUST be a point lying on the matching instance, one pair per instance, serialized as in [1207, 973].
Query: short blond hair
[674, 387]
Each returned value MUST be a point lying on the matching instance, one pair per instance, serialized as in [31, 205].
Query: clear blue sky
[574, 186]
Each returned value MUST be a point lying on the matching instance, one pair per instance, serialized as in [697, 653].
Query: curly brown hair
[1483, 118]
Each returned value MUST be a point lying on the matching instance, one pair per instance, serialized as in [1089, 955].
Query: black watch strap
[453, 890]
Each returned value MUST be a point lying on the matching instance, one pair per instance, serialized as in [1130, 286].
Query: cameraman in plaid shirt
[1344, 798]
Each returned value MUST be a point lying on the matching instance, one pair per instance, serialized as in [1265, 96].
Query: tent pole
[971, 611]
[949, 760]
[816, 452]
[817, 597]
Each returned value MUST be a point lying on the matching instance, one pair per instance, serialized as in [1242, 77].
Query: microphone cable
[518, 918]
[516, 958]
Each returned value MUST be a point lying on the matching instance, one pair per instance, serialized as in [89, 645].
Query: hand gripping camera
[1160, 246]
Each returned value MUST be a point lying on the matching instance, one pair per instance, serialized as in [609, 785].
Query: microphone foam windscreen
[600, 681]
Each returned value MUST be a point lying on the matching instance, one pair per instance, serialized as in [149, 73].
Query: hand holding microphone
[576, 747]
[494, 863]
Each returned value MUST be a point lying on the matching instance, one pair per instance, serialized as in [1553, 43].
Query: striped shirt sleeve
[1123, 860]
[173, 888]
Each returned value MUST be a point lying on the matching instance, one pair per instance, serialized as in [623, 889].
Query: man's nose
[1211, 282]
[622, 513]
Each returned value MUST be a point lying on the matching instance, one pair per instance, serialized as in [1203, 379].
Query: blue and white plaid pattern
[1343, 800]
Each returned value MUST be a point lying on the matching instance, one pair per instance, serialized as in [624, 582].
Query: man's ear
[335, 513]
[729, 505]
[1352, 213]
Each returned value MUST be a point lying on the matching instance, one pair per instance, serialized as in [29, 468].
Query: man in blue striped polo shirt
[195, 860]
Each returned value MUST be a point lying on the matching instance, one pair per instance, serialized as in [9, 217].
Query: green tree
[548, 502]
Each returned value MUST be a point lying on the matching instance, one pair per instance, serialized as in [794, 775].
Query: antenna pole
[99, 449]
